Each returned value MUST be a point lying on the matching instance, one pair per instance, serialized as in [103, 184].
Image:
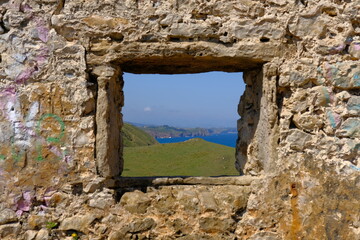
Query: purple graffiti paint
[43, 33]
[47, 196]
[357, 46]
[43, 56]
[24, 76]
[42, 30]
[337, 49]
[8, 90]
[24, 203]
[25, 7]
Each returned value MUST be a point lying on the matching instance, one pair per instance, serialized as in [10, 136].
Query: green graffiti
[61, 123]
[39, 157]
[17, 153]
[50, 140]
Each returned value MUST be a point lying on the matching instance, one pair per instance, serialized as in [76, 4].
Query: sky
[183, 100]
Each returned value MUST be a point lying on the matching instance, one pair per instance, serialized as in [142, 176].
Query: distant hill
[195, 157]
[134, 137]
[166, 131]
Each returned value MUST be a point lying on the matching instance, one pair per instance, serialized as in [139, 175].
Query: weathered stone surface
[344, 75]
[141, 225]
[43, 234]
[30, 235]
[37, 221]
[10, 231]
[102, 200]
[108, 140]
[94, 185]
[80, 222]
[308, 121]
[210, 225]
[298, 139]
[125, 182]
[61, 65]
[354, 50]
[353, 106]
[7, 216]
[135, 202]
[350, 128]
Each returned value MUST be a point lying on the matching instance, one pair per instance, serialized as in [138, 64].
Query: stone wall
[61, 89]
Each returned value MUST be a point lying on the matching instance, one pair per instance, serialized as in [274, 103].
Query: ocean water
[223, 139]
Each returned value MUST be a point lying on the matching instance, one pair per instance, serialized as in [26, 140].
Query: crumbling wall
[299, 130]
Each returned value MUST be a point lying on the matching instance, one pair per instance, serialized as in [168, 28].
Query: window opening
[181, 124]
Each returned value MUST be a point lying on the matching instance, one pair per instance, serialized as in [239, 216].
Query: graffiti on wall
[343, 76]
[46, 133]
[41, 134]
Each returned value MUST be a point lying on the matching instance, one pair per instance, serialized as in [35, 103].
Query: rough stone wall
[46, 106]
[299, 131]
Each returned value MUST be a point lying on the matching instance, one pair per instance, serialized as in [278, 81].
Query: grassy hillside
[195, 157]
[134, 137]
[165, 131]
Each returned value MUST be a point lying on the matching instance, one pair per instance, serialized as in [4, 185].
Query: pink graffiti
[25, 7]
[42, 30]
[24, 75]
[24, 203]
[337, 49]
[43, 56]
[40, 60]
[55, 150]
[357, 46]
[47, 196]
[43, 33]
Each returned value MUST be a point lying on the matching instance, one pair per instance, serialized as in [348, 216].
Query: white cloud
[147, 109]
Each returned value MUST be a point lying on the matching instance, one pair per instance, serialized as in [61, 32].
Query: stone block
[343, 75]
[12, 229]
[102, 200]
[208, 202]
[349, 128]
[298, 139]
[37, 221]
[214, 224]
[30, 235]
[354, 50]
[80, 222]
[43, 234]
[7, 216]
[353, 106]
[141, 225]
[135, 202]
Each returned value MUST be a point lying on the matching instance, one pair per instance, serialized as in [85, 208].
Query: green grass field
[195, 157]
[134, 137]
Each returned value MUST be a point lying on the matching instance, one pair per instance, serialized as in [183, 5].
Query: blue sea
[223, 139]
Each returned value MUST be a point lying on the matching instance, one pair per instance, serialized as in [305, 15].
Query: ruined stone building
[61, 65]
